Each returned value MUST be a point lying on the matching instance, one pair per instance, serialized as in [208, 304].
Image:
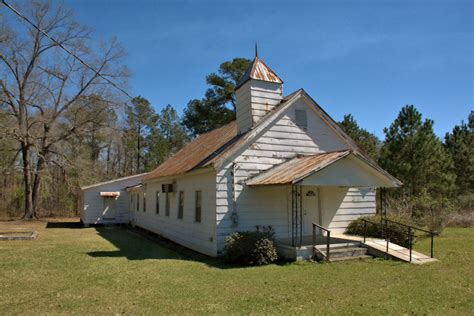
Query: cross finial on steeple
[256, 50]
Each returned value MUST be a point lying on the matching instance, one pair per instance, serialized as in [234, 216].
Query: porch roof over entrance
[338, 168]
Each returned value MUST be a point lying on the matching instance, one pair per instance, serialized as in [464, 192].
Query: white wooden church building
[283, 163]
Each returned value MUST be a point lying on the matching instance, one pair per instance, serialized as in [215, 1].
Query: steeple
[258, 91]
[258, 70]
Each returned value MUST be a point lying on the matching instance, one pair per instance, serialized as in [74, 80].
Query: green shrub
[250, 247]
[398, 233]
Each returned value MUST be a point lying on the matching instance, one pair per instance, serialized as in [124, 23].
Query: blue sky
[368, 58]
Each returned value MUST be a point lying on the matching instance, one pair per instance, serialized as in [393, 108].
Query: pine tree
[366, 141]
[460, 144]
[141, 122]
[412, 153]
[166, 139]
[217, 108]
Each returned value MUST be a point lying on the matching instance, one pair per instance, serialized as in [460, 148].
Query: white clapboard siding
[196, 236]
[254, 206]
[254, 99]
[92, 204]
[342, 205]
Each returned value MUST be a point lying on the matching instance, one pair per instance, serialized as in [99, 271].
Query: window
[144, 202]
[138, 202]
[301, 119]
[167, 204]
[180, 204]
[197, 215]
[157, 202]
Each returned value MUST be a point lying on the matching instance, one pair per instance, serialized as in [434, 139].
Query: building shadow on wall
[136, 244]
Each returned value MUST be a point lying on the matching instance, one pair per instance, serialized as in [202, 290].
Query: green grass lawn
[112, 271]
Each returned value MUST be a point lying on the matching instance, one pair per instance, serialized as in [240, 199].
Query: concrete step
[341, 252]
[363, 257]
[339, 245]
[346, 252]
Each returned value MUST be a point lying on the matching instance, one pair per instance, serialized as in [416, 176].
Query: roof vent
[301, 119]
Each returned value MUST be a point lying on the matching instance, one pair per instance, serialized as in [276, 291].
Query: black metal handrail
[409, 233]
[409, 226]
[328, 238]
[430, 233]
[387, 234]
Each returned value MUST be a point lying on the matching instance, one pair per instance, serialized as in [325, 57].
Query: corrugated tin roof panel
[297, 168]
[197, 152]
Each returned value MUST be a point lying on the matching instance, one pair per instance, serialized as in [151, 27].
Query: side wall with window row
[199, 236]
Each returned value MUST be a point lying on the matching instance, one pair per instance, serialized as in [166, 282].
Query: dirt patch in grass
[17, 235]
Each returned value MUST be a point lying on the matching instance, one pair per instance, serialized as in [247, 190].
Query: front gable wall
[279, 141]
[283, 140]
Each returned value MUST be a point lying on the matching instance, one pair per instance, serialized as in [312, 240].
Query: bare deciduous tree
[48, 93]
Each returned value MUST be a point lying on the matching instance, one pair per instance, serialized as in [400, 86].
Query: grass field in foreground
[113, 271]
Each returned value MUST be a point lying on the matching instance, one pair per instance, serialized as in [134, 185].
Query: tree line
[437, 174]
[63, 126]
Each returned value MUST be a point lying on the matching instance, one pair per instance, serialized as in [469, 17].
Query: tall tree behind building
[412, 153]
[460, 144]
[141, 120]
[169, 137]
[366, 141]
[217, 108]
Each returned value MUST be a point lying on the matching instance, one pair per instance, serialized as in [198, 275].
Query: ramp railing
[387, 230]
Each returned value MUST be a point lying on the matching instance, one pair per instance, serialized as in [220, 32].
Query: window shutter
[157, 202]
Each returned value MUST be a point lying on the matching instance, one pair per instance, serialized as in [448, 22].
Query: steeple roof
[258, 70]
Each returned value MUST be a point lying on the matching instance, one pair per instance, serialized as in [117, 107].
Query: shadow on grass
[135, 244]
[64, 224]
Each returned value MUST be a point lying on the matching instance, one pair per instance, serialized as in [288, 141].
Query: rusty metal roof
[203, 151]
[260, 71]
[197, 153]
[211, 148]
[297, 168]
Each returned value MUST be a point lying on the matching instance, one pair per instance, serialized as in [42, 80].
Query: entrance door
[310, 210]
[109, 208]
